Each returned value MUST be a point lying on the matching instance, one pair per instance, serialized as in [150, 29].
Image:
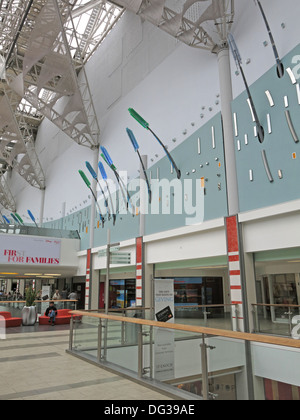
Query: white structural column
[42, 207]
[93, 205]
[143, 195]
[89, 263]
[226, 99]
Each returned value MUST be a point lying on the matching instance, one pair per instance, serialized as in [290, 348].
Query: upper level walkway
[38, 231]
[34, 365]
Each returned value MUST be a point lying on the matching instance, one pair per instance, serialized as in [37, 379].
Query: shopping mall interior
[149, 185]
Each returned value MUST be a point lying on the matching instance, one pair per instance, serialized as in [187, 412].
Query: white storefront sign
[29, 250]
[164, 339]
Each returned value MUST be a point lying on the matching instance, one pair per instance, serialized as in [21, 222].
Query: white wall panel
[168, 83]
[272, 233]
[266, 358]
[203, 244]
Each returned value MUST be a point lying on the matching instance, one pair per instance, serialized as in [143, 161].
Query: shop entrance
[198, 290]
[279, 290]
[80, 290]
[192, 292]
[220, 387]
[122, 293]
[279, 391]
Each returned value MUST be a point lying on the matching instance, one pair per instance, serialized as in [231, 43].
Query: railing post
[99, 340]
[71, 333]
[204, 368]
[151, 351]
[237, 318]
[123, 331]
[105, 326]
[205, 317]
[255, 318]
[289, 313]
[140, 351]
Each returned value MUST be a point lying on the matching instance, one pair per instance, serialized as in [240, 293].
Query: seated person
[51, 311]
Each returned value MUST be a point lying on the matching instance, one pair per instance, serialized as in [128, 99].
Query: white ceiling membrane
[43, 46]
[197, 23]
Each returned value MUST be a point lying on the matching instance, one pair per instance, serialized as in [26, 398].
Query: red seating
[63, 317]
[10, 321]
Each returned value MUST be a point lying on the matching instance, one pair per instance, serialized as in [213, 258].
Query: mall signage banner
[164, 356]
[27, 250]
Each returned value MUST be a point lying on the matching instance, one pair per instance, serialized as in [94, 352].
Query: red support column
[139, 271]
[87, 281]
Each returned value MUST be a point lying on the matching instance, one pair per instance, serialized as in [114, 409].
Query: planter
[29, 314]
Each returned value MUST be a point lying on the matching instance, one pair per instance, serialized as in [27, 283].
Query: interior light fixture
[209, 267]
[32, 274]
[49, 274]
[9, 274]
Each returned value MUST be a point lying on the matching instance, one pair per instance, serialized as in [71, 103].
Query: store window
[122, 293]
[277, 291]
[192, 292]
[198, 290]
[220, 387]
[279, 391]
[284, 289]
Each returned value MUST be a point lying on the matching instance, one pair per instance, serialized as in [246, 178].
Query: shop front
[122, 293]
[277, 290]
[192, 292]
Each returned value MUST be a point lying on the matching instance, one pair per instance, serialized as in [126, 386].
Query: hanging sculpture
[136, 148]
[238, 61]
[126, 196]
[145, 124]
[88, 184]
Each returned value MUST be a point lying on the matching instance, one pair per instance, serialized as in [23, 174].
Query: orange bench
[9, 320]
[63, 317]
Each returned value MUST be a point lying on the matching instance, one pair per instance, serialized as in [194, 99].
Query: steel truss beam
[188, 20]
[17, 143]
[6, 197]
[46, 73]
[103, 16]
[41, 54]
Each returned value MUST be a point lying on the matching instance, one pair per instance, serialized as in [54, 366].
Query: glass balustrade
[186, 361]
[38, 231]
[15, 306]
[212, 316]
[275, 319]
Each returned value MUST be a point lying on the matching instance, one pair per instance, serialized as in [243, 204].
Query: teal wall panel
[208, 164]
[282, 153]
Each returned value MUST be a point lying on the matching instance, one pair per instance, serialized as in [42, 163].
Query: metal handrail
[216, 305]
[279, 341]
[40, 301]
[276, 304]
[142, 372]
[273, 306]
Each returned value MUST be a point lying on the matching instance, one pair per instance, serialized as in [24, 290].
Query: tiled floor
[35, 366]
